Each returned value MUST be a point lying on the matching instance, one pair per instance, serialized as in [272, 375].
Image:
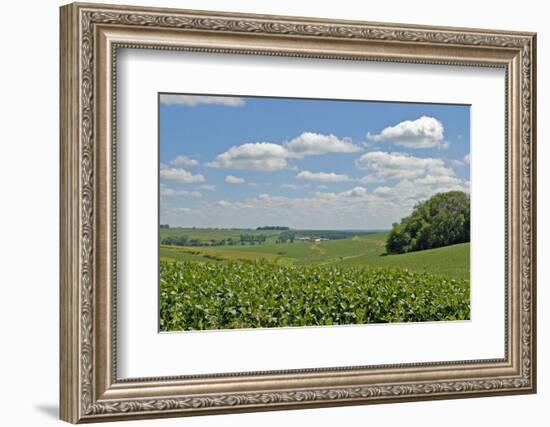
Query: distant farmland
[357, 249]
[244, 278]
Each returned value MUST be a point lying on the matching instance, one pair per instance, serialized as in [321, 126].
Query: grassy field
[307, 282]
[452, 261]
[358, 250]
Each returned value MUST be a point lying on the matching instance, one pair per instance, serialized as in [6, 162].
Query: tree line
[243, 239]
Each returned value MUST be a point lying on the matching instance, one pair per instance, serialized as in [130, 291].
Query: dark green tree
[442, 220]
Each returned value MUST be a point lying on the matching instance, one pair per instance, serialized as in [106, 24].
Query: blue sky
[247, 162]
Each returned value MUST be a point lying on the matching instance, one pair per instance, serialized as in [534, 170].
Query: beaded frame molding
[90, 37]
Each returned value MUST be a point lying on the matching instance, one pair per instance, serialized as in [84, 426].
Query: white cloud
[353, 208]
[207, 187]
[268, 156]
[405, 179]
[264, 156]
[382, 166]
[230, 179]
[383, 191]
[294, 186]
[356, 192]
[425, 132]
[465, 161]
[407, 193]
[170, 192]
[356, 207]
[183, 161]
[438, 180]
[177, 210]
[323, 176]
[287, 206]
[417, 178]
[179, 175]
[194, 100]
[310, 143]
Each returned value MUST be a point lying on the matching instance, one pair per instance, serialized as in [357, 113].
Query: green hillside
[359, 250]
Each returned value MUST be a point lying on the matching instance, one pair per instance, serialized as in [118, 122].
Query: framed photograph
[266, 212]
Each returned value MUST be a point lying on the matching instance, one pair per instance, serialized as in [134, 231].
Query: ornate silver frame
[90, 36]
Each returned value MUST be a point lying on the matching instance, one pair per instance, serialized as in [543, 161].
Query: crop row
[198, 296]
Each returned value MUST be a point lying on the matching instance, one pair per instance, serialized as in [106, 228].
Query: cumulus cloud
[464, 161]
[194, 100]
[230, 179]
[177, 210]
[179, 175]
[383, 191]
[323, 176]
[183, 161]
[404, 181]
[356, 192]
[417, 179]
[407, 193]
[268, 156]
[355, 208]
[438, 180]
[207, 187]
[382, 166]
[294, 186]
[170, 192]
[310, 143]
[253, 156]
[282, 205]
[425, 132]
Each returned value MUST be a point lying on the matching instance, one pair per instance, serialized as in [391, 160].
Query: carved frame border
[89, 387]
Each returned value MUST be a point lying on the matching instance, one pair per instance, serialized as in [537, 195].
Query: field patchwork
[234, 279]
[367, 250]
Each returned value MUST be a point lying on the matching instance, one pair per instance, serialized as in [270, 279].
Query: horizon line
[274, 228]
